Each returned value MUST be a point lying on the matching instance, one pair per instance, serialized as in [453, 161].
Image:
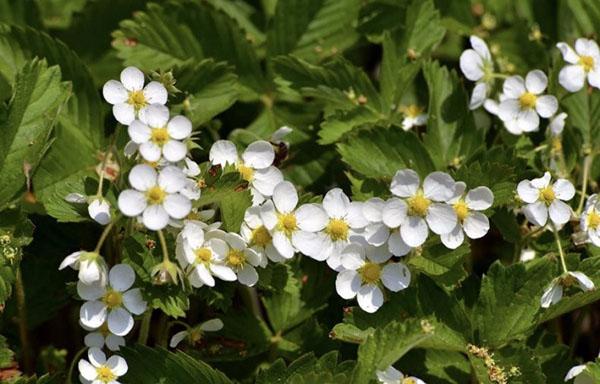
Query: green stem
[73, 362]
[104, 235]
[587, 164]
[145, 327]
[163, 246]
[23, 331]
[560, 250]
[250, 299]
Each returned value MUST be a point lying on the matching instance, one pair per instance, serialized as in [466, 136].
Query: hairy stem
[104, 235]
[560, 250]
[23, 331]
[587, 164]
[163, 246]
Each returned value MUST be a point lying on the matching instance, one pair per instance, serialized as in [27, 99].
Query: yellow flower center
[370, 273]
[203, 255]
[236, 258]
[105, 374]
[593, 219]
[286, 223]
[418, 205]
[159, 136]
[547, 195]
[195, 336]
[137, 99]
[261, 236]
[461, 209]
[155, 195]
[587, 62]
[246, 172]
[412, 110]
[337, 229]
[527, 100]
[408, 380]
[113, 299]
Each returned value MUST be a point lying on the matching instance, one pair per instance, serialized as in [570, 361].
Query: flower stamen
[528, 100]
[337, 229]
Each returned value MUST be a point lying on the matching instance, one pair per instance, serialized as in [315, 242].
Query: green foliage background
[336, 71]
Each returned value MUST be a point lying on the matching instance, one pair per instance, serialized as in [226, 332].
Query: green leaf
[584, 111]
[440, 263]
[312, 29]
[233, 207]
[380, 152]
[157, 365]
[396, 75]
[433, 366]
[16, 231]
[32, 113]
[165, 36]
[423, 29]
[6, 355]
[307, 369]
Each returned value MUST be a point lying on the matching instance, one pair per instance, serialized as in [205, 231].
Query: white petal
[223, 152]
[390, 376]
[563, 189]
[142, 177]
[513, 87]
[594, 77]
[560, 213]
[119, 321]
[92, 272]
[90, 292]
[557, 124]
[96, 357]
[252, 217]
[223, 272]
[414, 231]
[155, 93]
[247, 275]
[311, 217]
[480, 47]
[378, 255]
[528, 120]
[259, 154]
[204, 275]
[586, 47]
[454, 238]
[117, 365]
[355, 217]
[438, 186]
[131, 203]
[405, 183]
[441, 218]
[283, 244]
[471, 65]
[180, 127]
[139, 132]
[373, 209]
[376, 234]
[480, 198]
[99, 210]
[285, 197]
[353, 256]
[70, 260]
[478, 96]
[130, 149]
[370, 298]
[568, 53]
[315, 245]
[336, 203]
[546, 106]
[585, 283]
[171, 179]
[177, 206]
[552, 295]
[132, 79]
[87, 370]
[134, 302]
[212, 325]
[537, 213]
[94, 339]
[155, 217]
[395, 276]
[492, 106]
[542, 182]
[114, 92]
[156, 116]
[114, 342]
[509, 110]
[177, 338]
[394, 213]
[575, 371]
[265, 180]
[397, 246]
[536, 81]
[124, 113]
[476, 225]
[174, 151]
[347, 284]
[150, 151]
[92, 314]
[121, 277]
[268, 215]
[572, 77]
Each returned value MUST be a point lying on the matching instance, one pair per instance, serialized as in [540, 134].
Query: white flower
[98, 370]
[101, 336]
[156, 197]
[255, 165]
[584, 62]
[557, 124]
[364, 273]
[194, 334]
[203, 256]
[91, 266]
[413, 117]
[377, 233]
[553, 294]
[393, 376]
[130, 98]
[158, 136]
[590, 219]
[474, 224]
[524, 102]
[544, 199]
[293, 229]
[423, 208]
[580, 374]
[112, 304]
[527, 254]
[257, 236]
[477, 66]
[239, 258]
[278, 135]
[99, 210]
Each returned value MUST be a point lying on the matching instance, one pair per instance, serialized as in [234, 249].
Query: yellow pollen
[112, 299]
[105, 374]
[137, 99]
[236, 258]
[370, 273]
[412, 110]
[461, 209]
[261, 236]
[286, 223]
[418, 205]
[337, 229]
[547, 195]
[203, 255]
[587, 62]
[247, 173]
[527, 100]
[593, 219]
[155, 195]
[159, 136]
[408, 380]
[195, 336]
